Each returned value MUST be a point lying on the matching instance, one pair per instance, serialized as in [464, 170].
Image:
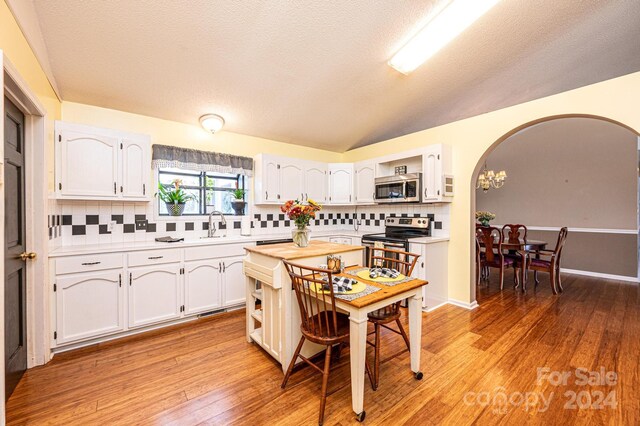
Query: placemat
[367, 291]
[354, 272]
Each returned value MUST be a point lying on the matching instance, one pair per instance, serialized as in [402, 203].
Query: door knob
[27, 255]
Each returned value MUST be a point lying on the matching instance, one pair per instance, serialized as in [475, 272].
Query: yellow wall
[18, 51]
[471, 139]
[186, 135]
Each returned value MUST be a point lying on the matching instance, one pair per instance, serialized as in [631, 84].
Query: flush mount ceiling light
[212, 122]
[440, 30]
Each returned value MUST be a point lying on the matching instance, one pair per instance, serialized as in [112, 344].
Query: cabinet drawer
[154, 257]
[88, 263]
[213, 252]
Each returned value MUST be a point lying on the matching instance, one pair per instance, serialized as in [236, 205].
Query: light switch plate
[141, 224]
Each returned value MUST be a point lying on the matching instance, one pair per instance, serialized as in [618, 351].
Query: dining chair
[321, 323]
[552, 265]
[481, 270]
[514, 233]
[403, 262]
[491, 238]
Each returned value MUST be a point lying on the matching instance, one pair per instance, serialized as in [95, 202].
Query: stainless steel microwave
[405, 188]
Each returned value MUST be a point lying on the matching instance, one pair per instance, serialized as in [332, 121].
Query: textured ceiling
[314, 72]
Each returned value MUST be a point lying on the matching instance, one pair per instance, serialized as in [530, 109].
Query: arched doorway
[585, 230]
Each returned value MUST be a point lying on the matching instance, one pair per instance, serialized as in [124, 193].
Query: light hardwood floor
[206, 373]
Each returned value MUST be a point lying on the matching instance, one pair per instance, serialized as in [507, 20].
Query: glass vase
[300, 236]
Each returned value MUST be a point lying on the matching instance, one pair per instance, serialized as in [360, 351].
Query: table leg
[415, 331]
[358, 350]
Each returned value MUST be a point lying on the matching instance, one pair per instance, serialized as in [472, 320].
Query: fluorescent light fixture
[439, 31]
[212, 122]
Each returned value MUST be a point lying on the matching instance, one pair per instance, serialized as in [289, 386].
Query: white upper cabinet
[437, 184]
[365, 173]
[291, 181]
[340, 183]
[315, 181]
[135, 168]
[101, 164]
[278, 179]
[88, 165]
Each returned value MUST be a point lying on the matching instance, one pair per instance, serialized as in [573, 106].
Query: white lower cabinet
[202, 286]
[89, 304]
[101, 295]
[155, 294]
[233, 281]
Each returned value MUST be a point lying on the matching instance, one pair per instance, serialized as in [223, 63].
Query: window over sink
[212, 191]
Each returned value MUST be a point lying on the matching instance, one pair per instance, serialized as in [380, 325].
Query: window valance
[204, 161]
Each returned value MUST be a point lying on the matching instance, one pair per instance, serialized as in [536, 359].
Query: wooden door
[135, 169]
[88, 164]
[89, 304]
[202, 286]
[235, 292]
[365, 186]
[154, 294]
[15, 280]
[315, 182]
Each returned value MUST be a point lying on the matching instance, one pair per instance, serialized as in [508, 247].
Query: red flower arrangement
[301, 213]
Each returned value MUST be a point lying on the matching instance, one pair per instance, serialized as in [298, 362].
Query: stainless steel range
[398, 233]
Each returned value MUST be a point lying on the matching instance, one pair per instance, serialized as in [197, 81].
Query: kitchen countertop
[288, 251]
[195, 242]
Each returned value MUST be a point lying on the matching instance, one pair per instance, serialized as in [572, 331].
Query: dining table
[524, 247]
[359, 308]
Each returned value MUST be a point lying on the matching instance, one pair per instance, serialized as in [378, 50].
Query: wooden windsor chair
[403, 262]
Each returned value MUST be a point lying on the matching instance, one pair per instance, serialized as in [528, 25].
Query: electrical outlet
[141, 224]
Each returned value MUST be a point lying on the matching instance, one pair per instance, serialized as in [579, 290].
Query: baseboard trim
[467, 305]
[599, 275]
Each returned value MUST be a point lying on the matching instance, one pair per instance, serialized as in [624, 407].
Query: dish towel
[341, 284]
[383, 272]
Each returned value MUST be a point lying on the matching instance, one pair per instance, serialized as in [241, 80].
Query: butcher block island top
[289, 251]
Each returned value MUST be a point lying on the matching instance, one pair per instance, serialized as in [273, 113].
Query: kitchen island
[275, 325]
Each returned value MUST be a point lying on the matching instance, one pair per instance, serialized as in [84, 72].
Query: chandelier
[490, 179]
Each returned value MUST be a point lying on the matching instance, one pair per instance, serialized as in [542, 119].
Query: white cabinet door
[234, 288]
[88, 164]
[432, 175]
[88, 305]
[364, 185]
[154, 294]
[136, 170]
[341, 183]
[291, 181]
[202, 286]
[271, 179]
[315, 181]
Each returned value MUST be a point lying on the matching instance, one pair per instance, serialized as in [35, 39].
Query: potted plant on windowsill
[238, 203]
[301, 214]
[174, 197]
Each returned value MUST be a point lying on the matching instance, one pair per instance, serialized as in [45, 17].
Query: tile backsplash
[88, 222]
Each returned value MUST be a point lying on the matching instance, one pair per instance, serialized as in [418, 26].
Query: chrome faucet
[212, 226]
